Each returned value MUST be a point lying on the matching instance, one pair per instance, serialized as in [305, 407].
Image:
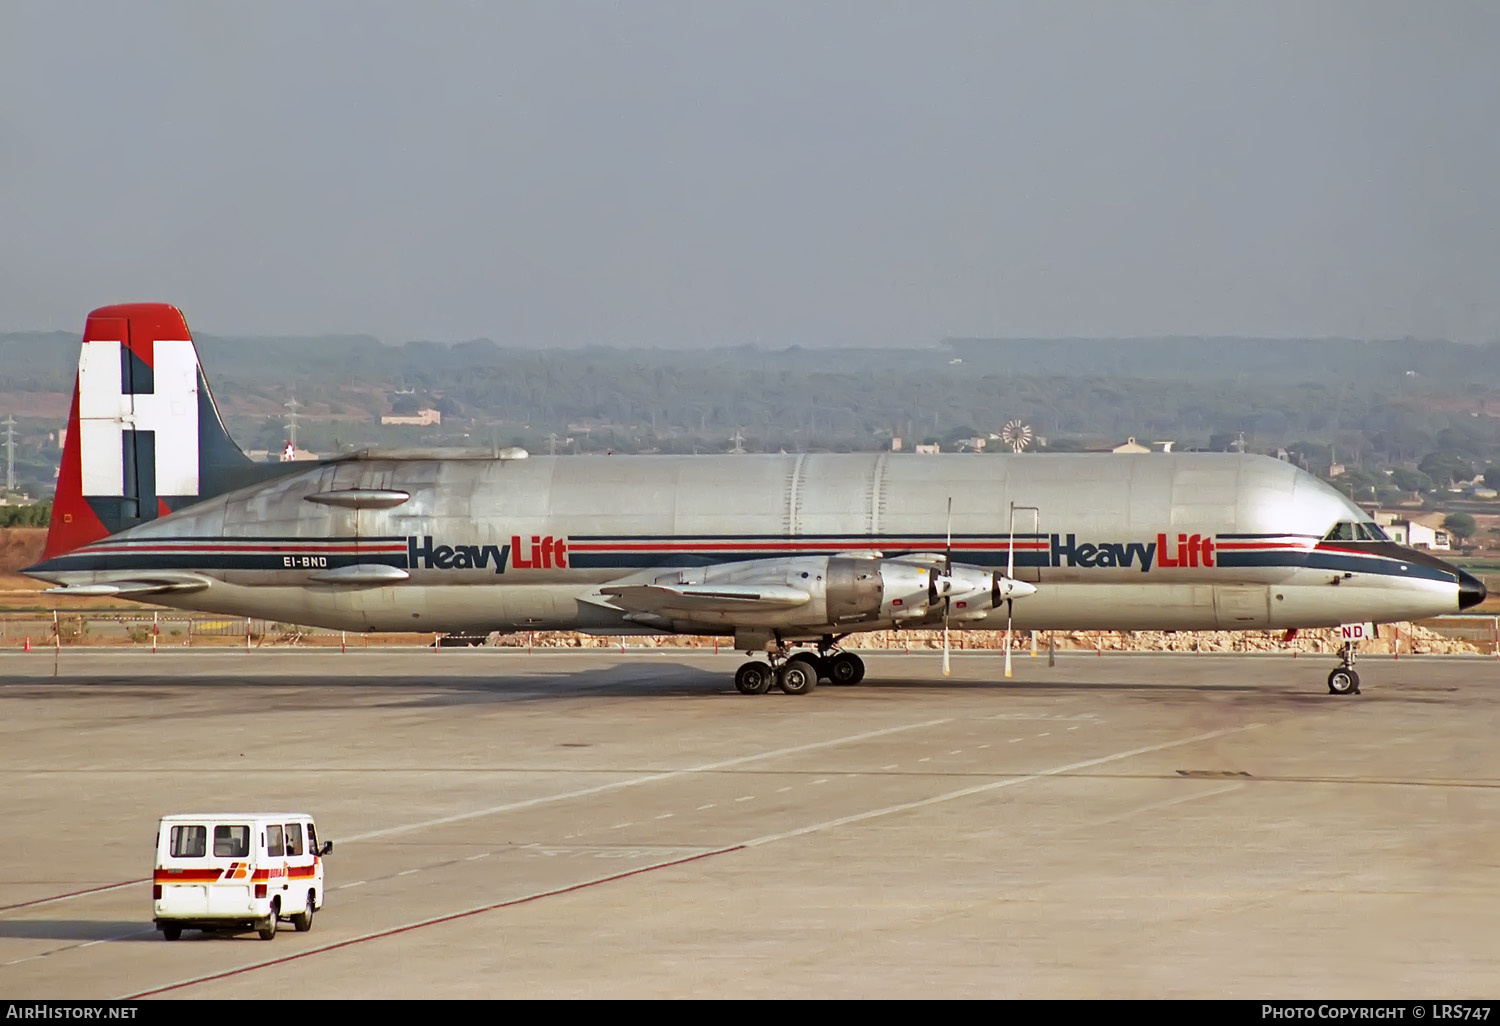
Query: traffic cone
[28, 644]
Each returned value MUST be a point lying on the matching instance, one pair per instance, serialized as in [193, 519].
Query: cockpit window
[1362, 530]
[1342, 531]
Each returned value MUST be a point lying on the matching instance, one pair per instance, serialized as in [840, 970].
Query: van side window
[231, 842]
[294, 838]
[189, 842]
[273, 841]
[312, 838]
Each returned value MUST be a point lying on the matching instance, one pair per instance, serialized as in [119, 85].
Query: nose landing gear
[1344, 681]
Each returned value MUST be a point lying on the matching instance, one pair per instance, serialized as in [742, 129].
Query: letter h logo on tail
[144, 436]
[132, 449]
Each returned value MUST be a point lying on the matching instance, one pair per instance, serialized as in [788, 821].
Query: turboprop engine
[809, 591]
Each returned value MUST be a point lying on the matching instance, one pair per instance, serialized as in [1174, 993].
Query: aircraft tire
[1343, 682]
[846, 668]
[797, 677]
[819, 666]
[753, 678]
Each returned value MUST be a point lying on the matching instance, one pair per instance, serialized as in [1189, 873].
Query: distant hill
[1291, 360]
[1382, 401]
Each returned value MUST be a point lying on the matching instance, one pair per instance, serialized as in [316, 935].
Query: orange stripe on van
[186, 876]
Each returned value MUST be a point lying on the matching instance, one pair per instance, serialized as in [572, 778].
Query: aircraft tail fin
[144, 436]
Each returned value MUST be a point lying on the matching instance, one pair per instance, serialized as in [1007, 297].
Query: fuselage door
[1026, 550]
[1242, 606]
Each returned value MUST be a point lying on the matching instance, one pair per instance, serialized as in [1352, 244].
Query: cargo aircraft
[788, 553]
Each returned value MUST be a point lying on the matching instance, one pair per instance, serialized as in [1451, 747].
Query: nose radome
[1471, 590]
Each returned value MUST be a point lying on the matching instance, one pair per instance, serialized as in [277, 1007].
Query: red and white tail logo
[144, 437]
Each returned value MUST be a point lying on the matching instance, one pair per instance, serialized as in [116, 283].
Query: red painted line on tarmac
[430, 922]
[73, 894]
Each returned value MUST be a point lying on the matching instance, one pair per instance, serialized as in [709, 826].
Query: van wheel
[171, 932]
[267, 927]
[303, 920]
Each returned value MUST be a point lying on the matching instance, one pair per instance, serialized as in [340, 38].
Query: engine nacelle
[843, 591]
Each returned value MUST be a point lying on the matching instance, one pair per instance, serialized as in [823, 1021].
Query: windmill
[1016, 435]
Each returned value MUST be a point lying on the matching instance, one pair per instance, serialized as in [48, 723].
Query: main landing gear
[1344, 681]
[798, 673]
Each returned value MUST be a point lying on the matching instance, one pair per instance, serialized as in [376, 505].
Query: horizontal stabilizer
[132, 588]
[648, 598]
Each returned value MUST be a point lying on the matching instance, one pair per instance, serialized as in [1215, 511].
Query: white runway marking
[995, 785]
[797, 832]
[70, 947]
[649, 778]
[481, 855]
[79, 894]
[702, 807]
[1154, 806]
[666, 815]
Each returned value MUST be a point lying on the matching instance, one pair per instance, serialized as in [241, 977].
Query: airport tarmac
[608, 825]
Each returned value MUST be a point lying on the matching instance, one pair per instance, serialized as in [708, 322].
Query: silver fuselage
[1152, 541]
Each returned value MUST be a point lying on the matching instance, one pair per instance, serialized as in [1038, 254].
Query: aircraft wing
[723, 598]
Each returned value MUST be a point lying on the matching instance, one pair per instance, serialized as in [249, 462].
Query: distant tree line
[37, 514]
[1360, 404]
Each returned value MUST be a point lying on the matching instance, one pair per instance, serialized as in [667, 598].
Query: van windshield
[232, 842]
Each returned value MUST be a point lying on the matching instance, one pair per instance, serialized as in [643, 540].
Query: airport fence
[1470, 635]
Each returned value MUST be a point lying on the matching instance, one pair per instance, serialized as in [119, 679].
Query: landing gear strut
[1344, 681]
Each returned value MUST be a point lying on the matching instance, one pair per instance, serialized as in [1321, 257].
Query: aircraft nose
[1471, 590]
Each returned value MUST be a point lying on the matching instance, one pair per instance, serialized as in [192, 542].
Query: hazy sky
[786, 172]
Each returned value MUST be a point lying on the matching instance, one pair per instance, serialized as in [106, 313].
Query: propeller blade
[1009, 608]
[947, 664]
[948, 549]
